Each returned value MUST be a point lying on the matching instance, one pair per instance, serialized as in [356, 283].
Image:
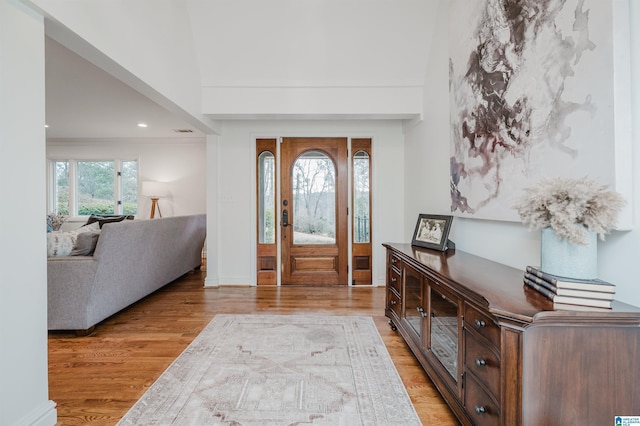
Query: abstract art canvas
[533, 95]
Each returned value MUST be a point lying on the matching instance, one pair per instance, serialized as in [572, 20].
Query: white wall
[235, 168]
[334, 43]
[181, 163]
[426, 159]
[505, 242]
[292, 57]
[617, 256]
[23, 274]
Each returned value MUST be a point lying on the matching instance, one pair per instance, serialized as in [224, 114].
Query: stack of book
[570, 292]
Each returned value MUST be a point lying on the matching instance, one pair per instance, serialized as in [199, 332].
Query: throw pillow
[85, 243]
[106, 219]
[93, 218]
[88, 228]
[60, 243]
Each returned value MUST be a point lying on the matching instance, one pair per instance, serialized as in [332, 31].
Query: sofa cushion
[85, 243]
[62, 243]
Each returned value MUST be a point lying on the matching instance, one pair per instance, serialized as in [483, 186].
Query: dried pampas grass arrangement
[570, 207]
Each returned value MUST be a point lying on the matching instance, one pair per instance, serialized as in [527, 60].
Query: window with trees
[95, 187]
[266, 198]
[82, 188]
[361, 246]
[266, 211]
[314, 199]
[361, 198]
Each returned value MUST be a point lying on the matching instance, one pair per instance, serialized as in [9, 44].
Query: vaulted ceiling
[241, 43]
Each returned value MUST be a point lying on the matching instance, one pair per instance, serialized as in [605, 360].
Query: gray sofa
[132, 259]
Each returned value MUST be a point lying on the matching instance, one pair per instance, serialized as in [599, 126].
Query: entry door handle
[285, 218]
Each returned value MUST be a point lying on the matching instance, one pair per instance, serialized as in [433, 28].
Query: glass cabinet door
[444, 330]
[413, 309]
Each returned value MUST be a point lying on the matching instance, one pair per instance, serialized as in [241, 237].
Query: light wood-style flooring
[97, 378]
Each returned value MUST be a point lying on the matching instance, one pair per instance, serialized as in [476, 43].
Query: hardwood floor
[97, 378]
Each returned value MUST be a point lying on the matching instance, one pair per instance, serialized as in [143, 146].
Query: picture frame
[432, 231]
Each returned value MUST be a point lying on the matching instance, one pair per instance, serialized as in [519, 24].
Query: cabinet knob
[424, 314]
[393, 302]
[481, 362]
[394, 279]
[480, 323]
[480, 410]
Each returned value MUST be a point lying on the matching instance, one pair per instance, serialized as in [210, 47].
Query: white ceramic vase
[560, 257]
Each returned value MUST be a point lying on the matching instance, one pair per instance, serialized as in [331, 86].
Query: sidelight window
[266, 198]
[361, 218]
[361, 198]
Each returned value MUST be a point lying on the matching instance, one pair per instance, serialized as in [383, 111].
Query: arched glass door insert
[314, 199]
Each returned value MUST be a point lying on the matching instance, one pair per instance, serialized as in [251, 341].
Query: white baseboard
[45, 415]
[211, 282]
[228, 281]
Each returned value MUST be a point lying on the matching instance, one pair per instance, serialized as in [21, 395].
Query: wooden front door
[313, 211]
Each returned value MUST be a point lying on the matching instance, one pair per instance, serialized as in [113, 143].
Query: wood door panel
[314, 263]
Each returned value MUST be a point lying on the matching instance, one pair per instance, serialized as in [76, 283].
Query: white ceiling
[368, 44]
[84, 102]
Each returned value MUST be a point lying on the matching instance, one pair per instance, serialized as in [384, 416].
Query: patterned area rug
[279, 370]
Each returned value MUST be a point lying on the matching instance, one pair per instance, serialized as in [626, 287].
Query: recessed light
[142, 124]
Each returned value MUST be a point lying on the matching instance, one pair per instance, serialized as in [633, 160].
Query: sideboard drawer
[482, 409]
[393, 302]
[482, 324]
[395, 261]
[483, 363]
[395, 279]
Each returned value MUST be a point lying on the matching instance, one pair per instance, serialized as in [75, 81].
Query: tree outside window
[129, 187]
[314, 199]
[95, 187]
[61, 187]
[83, 188]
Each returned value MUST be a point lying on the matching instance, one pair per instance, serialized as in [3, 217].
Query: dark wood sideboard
[498, 352]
